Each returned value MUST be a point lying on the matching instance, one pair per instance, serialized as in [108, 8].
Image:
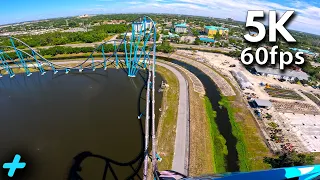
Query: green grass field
[283, 93]
[168, 121]
[219, 143]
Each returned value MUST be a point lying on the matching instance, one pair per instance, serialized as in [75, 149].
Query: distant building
[242, 80]
[84, 16]
[261, 103]
[288, 74]
[114, 22]
[138, 25]
[206, 40]
[305, 52]
[170, 35]
[253, 33]
[180, 28]
[211, 31]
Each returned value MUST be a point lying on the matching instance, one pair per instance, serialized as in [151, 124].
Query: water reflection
[50, 119]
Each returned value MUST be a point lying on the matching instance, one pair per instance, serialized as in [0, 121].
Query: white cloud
[308, 14]
[94, 10]
[135, 2]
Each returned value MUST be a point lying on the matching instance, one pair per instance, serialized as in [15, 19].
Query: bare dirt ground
[223, 62]
[201, 152]
[222, 84]
[303, 106]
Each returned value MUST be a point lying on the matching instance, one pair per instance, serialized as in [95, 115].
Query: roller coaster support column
[104, 58]
[23, 63]
[116, 54]
[5, 65]
[38, 63]
[145, 170]
[53, 68]
[154, 161]
[126, 53]
[143, 51]
[134, 65]
[129, 65]
[92, 65]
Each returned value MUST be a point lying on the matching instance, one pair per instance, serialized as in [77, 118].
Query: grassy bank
[219, 147]
[238, 133]
[317, 158]
[250, 147]
[168, 121]
[18, 71]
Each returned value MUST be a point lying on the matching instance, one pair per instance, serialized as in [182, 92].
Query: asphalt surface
[181, 149]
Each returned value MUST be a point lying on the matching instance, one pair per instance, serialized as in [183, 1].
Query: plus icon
[16, 164]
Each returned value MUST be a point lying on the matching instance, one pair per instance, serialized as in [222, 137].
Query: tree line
[98, 33]
[58, 50]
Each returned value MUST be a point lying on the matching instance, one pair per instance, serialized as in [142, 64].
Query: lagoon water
[50, 119]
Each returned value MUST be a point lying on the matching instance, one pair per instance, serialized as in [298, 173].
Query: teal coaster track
[136, 52]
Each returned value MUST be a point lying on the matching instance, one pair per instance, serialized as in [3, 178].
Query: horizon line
[133, 13]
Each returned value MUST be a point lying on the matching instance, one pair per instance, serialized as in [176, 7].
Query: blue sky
[307, 19]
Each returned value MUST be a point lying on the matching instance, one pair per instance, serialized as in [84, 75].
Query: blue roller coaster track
[136, 56]
[136, 53]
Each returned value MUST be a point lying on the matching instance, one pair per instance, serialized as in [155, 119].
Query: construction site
[287, 114]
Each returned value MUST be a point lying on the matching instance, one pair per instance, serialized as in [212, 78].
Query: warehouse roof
[170, 35]
[207, 40]
[183, 25]
[289, 73]
[263, 103]
[216, 28]
[302, 50]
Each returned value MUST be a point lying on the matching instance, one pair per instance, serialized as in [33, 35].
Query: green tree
[290, 159]
[195, 32]
[236, 53]
[217, 36]
[197, 41]
[165, 47]
[157, 36]
[72, 24]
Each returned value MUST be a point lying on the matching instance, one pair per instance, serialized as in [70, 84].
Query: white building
[139, 25]
[180, 28]
[84, 16]
[288, 75]
[242, 80]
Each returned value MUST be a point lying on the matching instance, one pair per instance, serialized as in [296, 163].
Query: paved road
[181, 149]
